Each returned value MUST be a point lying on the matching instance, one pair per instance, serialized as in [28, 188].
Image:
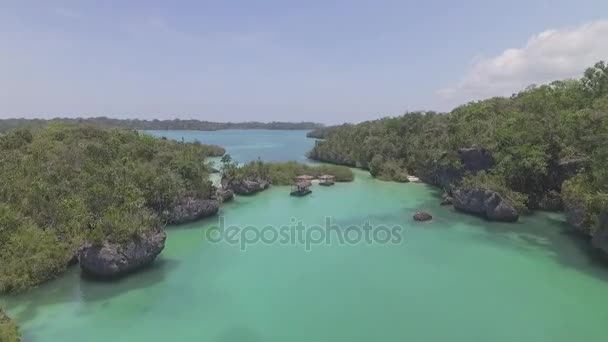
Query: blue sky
[327, 61]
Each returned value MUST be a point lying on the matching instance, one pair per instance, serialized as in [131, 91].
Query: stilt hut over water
[304, 178]
[327, 180]
[301, 188]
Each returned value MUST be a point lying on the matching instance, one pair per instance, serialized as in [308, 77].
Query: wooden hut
[327, 180]
[301, 188]
[304, 178]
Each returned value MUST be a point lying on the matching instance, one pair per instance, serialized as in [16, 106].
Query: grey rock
[551, 201]
[441, 175]
[422, 216]
[599, 241]
[475, 159]
[191, 209]
[485, 203]
[446, 200]
[246, 186]
[224, 195]
[575, 215]
[111, 260]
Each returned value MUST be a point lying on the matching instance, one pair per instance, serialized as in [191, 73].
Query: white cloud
[547, 56]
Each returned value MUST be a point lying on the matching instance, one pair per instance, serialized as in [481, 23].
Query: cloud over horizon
[550, 55]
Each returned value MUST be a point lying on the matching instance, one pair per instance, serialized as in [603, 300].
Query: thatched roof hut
[303, 184]
[327, 180]
[301, 188]
[302, 178]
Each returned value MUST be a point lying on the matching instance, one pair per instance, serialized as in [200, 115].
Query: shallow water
[456, 278]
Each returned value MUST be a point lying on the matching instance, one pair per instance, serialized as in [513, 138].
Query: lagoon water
[456, 278]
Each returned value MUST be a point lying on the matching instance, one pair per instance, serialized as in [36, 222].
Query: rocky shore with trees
[542, 148]
[100, 197]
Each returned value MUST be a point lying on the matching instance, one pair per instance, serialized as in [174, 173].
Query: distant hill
[177, 124]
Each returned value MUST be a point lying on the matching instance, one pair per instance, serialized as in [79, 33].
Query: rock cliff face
[475, 159]
[112, 260]
[446, 199]
[246, 186]
[224, 195]
[567, 169]
[448, 177]
[192, 209]
[599, 242]
[551, 201]
[485, 203]
[575, 215]
[442, 176]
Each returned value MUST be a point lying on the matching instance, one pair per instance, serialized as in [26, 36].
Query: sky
[280, 60]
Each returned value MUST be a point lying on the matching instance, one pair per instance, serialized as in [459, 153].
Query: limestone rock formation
[475, 159]
[191, 209]
[486, 203]
[111, 260]
[246, 186]
[422, 216]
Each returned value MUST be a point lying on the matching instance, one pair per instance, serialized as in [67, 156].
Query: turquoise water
[457, 278]
[248, 145]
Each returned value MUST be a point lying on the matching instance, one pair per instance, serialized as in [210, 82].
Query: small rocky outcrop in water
[422, 216]
[486, 203]
[599, 242]
[111, 260]
[246, 186]
[191, 209]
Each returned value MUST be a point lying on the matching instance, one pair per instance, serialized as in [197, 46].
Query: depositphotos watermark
[297, 233]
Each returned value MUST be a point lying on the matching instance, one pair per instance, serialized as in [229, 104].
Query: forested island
[176, 124]
[543, 148]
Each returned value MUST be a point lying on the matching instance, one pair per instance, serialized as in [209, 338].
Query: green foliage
[284, 173]
[387, 169]
[8, 329]
[590, 191]
[66, 185]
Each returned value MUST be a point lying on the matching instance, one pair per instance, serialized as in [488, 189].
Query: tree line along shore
[176, 124]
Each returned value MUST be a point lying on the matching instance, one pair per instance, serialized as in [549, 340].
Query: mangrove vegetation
[65, 186]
